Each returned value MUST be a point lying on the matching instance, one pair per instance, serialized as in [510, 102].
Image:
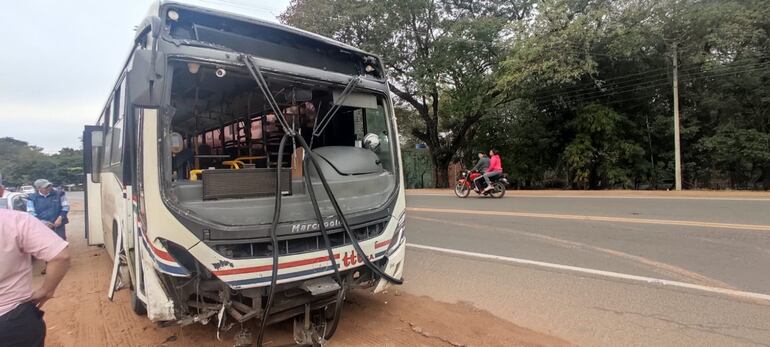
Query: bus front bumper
[394, 266]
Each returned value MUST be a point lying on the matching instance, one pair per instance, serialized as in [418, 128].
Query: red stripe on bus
[163, 255]
[160, 253]
[270, 267]
[286, 265]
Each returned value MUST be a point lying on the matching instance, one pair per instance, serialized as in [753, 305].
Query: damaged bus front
[244, 171]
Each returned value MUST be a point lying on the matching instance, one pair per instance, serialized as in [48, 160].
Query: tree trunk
[593, 178]
[441, 168]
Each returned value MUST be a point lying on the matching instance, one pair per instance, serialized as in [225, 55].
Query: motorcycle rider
[481, 166]
[495, 168]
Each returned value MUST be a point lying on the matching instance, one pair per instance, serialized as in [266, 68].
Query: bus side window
[97, 151]
[119, 113]
[107, 149]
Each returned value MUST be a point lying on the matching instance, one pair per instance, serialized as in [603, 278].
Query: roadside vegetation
[575, 93]
[22, 163]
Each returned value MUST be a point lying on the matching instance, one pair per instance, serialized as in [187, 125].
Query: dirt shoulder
[81, 315]
[616, 193]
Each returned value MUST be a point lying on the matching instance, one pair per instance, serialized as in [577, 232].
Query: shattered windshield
[222, 144]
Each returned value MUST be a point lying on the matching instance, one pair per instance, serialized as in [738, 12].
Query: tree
[601, 154]
[442, 56]
[528, 141]
[22, 163]
[577, 53]
[741, 153]
[69, 165]
[536, 81]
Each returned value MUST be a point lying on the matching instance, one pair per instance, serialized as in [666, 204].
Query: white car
[14, 201]
[27, 189]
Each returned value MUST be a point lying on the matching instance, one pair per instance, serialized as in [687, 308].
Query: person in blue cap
[49, 206]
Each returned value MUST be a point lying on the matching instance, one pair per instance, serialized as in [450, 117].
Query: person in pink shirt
[22, 237]
[495, 168]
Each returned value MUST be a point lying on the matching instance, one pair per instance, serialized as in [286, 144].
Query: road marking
[655, 265]
[513, 195]
[609, 274]
[754, 227]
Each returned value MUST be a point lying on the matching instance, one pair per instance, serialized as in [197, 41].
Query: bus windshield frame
[198, 26]
[388, 146]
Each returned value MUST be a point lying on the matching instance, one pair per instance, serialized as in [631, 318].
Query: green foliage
[575, 93]
[601, 154]
[442, 58]
[739, 153]
[581, 158]
[21, 163]
[527, 140]
[600, 73]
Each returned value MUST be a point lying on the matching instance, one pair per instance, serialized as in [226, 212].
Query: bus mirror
[152, 24]
[97, 138]
[155, 26]
[144, 79]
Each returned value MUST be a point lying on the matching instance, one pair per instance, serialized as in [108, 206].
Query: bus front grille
[337, 238]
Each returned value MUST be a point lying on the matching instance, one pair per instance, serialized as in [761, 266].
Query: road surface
[580, 267]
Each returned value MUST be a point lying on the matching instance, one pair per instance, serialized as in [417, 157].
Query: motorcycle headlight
[398, 236]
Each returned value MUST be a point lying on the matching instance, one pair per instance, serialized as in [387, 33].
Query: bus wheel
[136, 304]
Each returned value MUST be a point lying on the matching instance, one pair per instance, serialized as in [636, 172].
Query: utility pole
[677, 149]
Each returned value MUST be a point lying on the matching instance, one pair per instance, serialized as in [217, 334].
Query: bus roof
[234, 11]
[231, 10]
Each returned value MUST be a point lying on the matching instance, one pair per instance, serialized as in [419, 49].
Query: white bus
[229, 145]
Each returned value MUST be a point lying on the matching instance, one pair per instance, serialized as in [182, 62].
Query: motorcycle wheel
[498, 191]
[462, 190]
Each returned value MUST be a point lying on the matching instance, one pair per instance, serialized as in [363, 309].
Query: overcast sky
[61, 58]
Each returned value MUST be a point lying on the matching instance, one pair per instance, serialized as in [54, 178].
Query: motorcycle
[472, 180]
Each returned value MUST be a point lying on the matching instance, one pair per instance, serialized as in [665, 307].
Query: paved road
[579, 267]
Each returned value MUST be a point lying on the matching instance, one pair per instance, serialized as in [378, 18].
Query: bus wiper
[318, 129]
[256, 73]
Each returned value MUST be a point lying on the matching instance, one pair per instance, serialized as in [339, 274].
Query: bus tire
[137, 305]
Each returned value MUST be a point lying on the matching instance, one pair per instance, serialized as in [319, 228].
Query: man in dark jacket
[482, 164]
[49, 206]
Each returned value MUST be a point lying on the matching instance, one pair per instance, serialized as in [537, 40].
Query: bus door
[116, 213]
[93, 148]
